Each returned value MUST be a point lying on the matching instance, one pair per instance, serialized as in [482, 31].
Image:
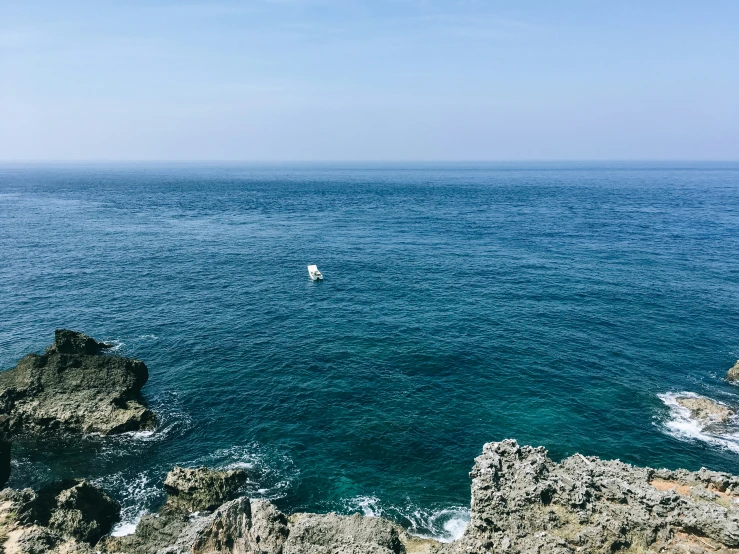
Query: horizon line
[368, 161]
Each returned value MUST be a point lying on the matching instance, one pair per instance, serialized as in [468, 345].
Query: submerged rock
[733, 373]
[74, 387]
[524, 502]
[201, 489]
[705, 410]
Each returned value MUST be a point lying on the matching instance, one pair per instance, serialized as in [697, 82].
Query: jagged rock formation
[74, 387]
[356, 534]
[196, 490]
[175, 528]
[733, 373]
[242, 526]
[66, 517]
[524, 502]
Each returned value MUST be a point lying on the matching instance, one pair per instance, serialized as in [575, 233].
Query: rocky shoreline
[521, 500]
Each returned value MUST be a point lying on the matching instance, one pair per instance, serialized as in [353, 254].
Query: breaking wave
[441, 524]
[682, 426]
[137, 495]
[270, 475]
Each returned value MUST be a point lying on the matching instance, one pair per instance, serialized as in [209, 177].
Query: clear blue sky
[369, 80]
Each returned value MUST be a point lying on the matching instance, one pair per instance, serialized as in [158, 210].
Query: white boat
[314, 274]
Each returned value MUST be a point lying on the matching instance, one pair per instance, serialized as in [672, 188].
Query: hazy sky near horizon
[369, 80]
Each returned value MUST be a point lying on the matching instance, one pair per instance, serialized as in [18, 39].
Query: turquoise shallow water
[551, 303]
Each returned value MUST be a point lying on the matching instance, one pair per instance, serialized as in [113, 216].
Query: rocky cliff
[522, 501]
[75, 387]
[63, 518]
[186, 525]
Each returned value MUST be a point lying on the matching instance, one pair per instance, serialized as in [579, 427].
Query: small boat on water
[314, 274]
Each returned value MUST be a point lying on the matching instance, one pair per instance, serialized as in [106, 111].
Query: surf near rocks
[522, 501]
[73, 387]
[184, 525]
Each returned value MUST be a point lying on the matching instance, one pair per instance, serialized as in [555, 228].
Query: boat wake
[682, 425]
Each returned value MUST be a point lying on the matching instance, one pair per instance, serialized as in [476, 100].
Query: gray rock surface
[523, 502]
[74, 387]
[733, 373]
[334, 534]
[242, 526]
[226, 530]
[268, 527]
[195, 490]
[74, 508]
[183, 524]
[65, 518]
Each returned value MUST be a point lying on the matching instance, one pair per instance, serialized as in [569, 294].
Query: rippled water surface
[562, 305]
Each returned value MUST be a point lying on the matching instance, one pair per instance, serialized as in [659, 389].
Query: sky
[380, 80]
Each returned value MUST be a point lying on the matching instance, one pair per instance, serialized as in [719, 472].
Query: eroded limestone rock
[65, 518]
[524, 502]
[195, 490]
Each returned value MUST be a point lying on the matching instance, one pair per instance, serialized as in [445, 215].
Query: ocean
[560, 304]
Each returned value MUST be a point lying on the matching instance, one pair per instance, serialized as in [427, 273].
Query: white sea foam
[125, 527]
[365, 505]
[443, 524]
[116, 345]
[140, 434]
[137, 495]
[270, 475]
[170, 418]
[682, 426]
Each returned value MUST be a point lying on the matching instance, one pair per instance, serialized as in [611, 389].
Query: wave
[171, 420]
[270, 475]
[118, 346]
[115, 346]
[137, 496]
[441, 524]
[682, 426]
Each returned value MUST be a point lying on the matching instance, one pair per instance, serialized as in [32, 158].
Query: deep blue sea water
[558, 304]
